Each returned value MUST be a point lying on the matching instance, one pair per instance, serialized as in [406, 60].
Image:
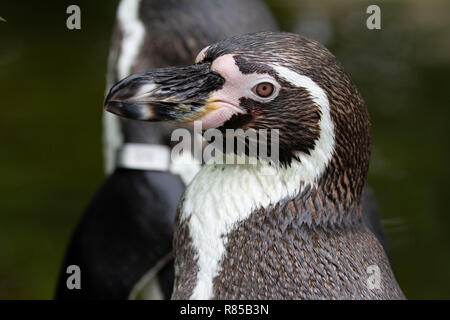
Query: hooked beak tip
[119, 101]
[130, 110]
[109, 98]
[106, 103]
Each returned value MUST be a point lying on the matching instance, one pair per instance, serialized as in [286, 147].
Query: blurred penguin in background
[123, 242]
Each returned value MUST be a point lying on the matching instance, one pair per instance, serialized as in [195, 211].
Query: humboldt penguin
[123, 242]
[283, 228]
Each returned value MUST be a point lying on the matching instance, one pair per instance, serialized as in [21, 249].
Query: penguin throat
[221, 196]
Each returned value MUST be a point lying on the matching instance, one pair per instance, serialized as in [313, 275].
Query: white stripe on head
[314, 163]
[133, 33]
[220, 196]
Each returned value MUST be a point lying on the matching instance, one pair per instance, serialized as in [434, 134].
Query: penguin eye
[263, 89]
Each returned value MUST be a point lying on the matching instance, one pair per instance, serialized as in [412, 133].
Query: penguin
[123, 241]
[288, 227]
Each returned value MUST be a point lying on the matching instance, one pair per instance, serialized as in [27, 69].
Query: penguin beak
[175, 94]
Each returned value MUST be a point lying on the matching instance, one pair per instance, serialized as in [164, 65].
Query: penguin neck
[236, 191]
[146, 133]
[322, 205]
[222, 196]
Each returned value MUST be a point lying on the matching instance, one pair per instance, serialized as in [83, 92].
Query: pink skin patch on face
[217, 117]
[224, 103]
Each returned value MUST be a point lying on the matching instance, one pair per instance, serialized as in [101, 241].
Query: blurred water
[52, 86]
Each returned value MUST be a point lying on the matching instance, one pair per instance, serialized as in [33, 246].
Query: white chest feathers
[220, 196]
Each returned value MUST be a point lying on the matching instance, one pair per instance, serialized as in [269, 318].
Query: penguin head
[260, 81]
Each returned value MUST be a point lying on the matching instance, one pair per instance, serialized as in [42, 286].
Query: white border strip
[133, 33]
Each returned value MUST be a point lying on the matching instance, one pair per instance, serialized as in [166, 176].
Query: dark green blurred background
[52, 83]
